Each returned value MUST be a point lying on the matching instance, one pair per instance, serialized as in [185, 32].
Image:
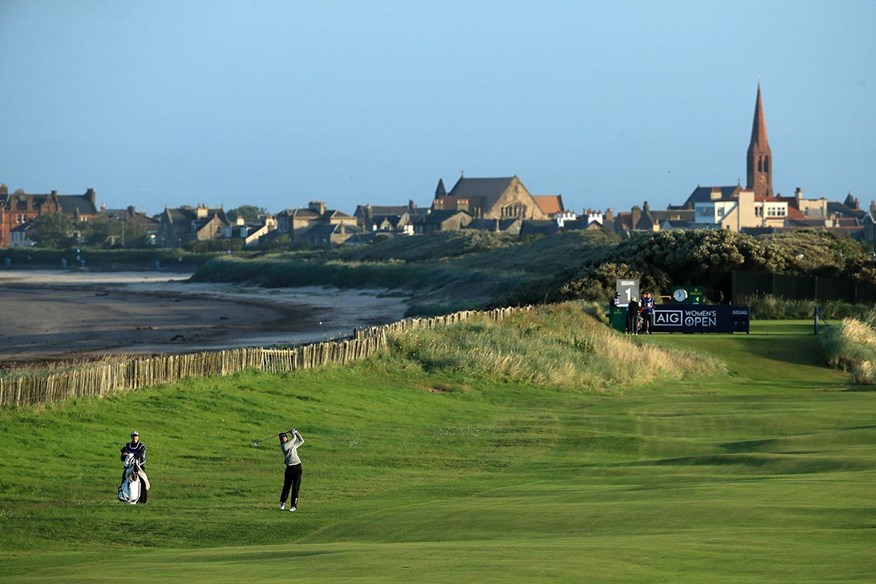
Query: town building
[181, 225]
[297, 223]
[19, 209]
[388, 219]
[491, 198]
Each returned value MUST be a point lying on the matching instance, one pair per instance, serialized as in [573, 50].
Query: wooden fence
[103, 377]
[820, 289]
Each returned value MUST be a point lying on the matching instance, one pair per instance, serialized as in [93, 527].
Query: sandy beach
[60, 315]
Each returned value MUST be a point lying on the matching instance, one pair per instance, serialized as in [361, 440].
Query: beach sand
[61, 315]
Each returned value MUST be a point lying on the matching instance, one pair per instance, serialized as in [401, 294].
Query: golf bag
[135, 483]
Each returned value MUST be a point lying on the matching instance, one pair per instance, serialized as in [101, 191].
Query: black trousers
[291, 480]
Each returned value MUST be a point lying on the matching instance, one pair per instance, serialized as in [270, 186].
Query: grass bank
[416, 470]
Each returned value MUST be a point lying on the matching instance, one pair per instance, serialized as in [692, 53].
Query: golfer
[292, 478]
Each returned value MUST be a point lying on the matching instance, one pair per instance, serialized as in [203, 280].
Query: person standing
[292, 477]
[647, 312]
[138, 450]
[633, 316]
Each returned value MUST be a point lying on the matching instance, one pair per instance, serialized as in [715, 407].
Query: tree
[52, 230]
[97, 232]
[250, 213]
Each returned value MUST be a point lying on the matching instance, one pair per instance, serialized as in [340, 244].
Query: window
[758, 211]
[720, 211]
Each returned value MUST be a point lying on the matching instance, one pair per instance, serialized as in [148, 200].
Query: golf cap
[135, 433]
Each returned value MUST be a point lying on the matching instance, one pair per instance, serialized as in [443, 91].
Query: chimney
[646, 208]
[201, 211]
[798, 194]
[91, 196]
[636, 216]
[609, 216]
[715, 195]
[317, 207]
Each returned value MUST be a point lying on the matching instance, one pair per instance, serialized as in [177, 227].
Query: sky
[275, 103]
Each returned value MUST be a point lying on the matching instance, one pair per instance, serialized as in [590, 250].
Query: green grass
[762, 474]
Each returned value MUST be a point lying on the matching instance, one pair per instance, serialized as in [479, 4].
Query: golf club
[255, 442]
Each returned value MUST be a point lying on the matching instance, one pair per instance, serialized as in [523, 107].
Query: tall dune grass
[557, 345]
[851, 346]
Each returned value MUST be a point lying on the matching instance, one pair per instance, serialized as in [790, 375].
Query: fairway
[763, 473]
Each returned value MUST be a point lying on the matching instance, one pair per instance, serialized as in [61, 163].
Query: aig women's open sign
[700, 318]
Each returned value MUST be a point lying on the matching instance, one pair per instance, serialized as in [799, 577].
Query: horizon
[276, 104]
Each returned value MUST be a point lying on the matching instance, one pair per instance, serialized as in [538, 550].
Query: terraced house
[18, 210]
[181, 225]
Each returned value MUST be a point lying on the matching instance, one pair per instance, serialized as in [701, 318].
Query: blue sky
[275, 103]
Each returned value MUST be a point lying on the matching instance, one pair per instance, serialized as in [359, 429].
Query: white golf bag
[135, 483]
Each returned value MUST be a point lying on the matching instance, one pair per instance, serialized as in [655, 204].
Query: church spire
[760, 158]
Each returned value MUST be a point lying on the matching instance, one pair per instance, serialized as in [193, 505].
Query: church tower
[760, 158]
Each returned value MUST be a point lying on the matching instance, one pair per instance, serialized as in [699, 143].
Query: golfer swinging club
[292, 478]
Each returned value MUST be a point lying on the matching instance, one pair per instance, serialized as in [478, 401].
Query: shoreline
[55, 316]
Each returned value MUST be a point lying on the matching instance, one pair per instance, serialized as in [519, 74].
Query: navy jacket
[138, 449]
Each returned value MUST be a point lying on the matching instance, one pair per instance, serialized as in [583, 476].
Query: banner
[700, 318]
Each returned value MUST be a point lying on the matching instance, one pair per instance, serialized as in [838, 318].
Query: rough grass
[558, 345]
[759, 476]
[493, 263]
[851, 346]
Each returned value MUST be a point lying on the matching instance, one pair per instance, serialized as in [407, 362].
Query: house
[124, 217]
[744, 210]
[646, 220]
[638, 220]
[850, 207]
[442, 220]
[251, 233]
[539, 227]
[20, 208]
[869, 225]
[511, 226]
[394, 224]
[296, 223]
[331, 234]
[397, 219]
[19, 236]
[181, 225]
[490, 198]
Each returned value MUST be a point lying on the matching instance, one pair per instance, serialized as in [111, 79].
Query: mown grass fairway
[763, 475]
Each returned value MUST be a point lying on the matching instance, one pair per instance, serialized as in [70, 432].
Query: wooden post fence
[103, 377]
